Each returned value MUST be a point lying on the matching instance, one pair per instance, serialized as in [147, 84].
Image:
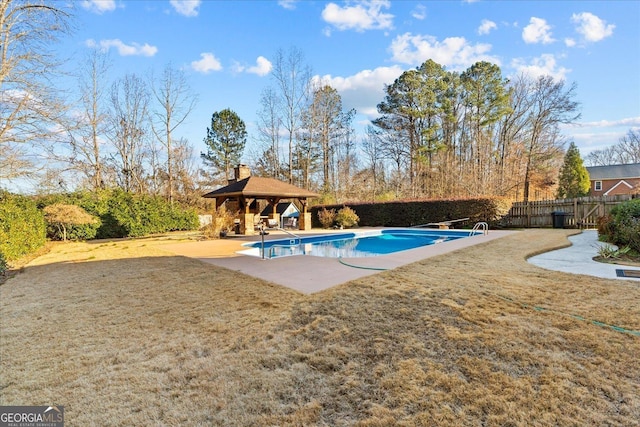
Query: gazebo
[246, 189]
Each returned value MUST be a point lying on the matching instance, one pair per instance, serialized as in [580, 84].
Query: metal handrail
[480, 225]
[273, 246]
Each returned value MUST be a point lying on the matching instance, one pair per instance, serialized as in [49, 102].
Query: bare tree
[269, 134]
[89, 133]
[629, 147]
[31, 108]
[604, 157]
[292, 78]
[175, 101]
[551, 105]
[627, 150]
[373, 151]
[185, 171]
[128, 130]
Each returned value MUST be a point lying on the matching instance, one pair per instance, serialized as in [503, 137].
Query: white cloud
[628, 122]
[133, 49]
[486, 26]
[592, 28]
[207, 64]
[453, 52]
[288, 4]
[569, 42]
[545, 65]
[186, 7]
[363, 15]
[98, 6]
[363, 90]
[262, 68]
[590, 138]
[420, 12]
[538, 31]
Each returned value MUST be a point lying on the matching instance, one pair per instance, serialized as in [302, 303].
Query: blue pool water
[355, 245]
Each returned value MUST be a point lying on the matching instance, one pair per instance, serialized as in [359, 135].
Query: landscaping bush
[327, 217]
[222, 221]
[70, 222]
[605, 227]
[625, 226]
[22, 226]
[346, 217]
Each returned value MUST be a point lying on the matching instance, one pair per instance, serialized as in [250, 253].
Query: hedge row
[123, 214]
[22, 226]
[411, 213]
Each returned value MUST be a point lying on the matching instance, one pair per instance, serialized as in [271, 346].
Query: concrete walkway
[578, 258]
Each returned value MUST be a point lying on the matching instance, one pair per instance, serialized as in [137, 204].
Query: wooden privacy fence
[582, 212]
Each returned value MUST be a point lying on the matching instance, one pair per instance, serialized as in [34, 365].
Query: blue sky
[225, 49]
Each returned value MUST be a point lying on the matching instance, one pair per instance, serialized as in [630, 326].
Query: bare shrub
[327, 217]
[347, 217]
[222, 221]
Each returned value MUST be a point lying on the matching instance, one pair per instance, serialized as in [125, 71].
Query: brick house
[614, 179]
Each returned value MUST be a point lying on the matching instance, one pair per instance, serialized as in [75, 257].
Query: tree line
[439, 133]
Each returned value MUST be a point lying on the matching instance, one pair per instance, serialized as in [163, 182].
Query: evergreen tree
[574, 178]
[226, 139]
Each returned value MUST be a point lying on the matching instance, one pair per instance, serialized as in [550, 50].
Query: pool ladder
[292, 242]
[480, 226]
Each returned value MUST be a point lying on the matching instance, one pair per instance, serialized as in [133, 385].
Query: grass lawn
[124, 333]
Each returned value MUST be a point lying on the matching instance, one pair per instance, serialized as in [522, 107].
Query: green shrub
[605, 227]
[327, 217]
[625, 227]
[22, 226]
[347, 217]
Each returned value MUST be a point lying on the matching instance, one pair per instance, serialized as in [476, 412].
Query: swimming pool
[355, 245]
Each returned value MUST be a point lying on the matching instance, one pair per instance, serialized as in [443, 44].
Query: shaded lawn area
[122, 333]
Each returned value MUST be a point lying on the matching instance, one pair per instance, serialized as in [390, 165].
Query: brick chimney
[240, 172]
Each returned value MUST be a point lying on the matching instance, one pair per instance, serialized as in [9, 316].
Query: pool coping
[309, 274]
[253, 248]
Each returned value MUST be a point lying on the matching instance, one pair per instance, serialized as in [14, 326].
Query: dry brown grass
[122, 333]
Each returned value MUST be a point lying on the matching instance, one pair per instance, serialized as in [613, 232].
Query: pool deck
[309, 274]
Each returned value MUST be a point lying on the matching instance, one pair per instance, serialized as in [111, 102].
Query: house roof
[631, 170]
[259, 187]
[281, 208]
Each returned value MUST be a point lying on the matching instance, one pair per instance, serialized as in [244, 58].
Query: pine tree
[574, 178]
[225, 141]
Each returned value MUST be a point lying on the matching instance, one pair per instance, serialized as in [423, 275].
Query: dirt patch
[140, 336]
[622, 260]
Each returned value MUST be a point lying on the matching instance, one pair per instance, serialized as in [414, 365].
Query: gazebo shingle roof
[255, 186]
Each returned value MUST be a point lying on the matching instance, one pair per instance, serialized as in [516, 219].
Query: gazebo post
[247, 219]
[273, 202]
[305, 217]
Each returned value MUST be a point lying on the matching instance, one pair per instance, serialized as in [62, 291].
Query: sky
[226, 48]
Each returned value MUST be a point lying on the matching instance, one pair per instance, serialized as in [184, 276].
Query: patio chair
[291, 222]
